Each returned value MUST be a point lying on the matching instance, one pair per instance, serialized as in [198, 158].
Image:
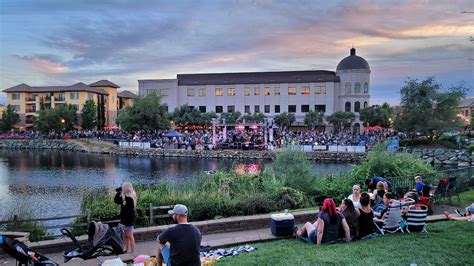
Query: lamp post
[265, 137]
[213, 132]
[224, 130]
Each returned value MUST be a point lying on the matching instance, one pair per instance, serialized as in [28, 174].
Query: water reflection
[52, 183]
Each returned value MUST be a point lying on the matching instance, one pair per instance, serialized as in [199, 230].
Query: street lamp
[265, 124]
[213, 132]
[224, 130]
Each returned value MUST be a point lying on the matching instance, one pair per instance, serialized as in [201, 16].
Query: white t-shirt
[356, 203]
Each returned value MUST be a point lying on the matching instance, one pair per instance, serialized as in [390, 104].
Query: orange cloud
[44, 64]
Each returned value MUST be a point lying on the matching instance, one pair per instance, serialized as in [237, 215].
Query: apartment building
[28, 100]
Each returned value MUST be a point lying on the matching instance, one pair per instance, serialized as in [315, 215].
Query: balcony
[29, 121]
[59, 99]
[30, 99]
[31, 110]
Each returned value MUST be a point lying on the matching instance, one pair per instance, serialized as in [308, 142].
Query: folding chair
[393, 216]
[391, 223]
[416, 219]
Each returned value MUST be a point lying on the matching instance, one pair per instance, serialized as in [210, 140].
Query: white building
[271, 93]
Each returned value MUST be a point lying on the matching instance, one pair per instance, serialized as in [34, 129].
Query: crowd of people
[230, 138]
[359, 214]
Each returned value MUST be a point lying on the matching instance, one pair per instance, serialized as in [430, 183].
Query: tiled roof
[467, 102]
[76, 87]
[304, 76]
[104, 83]
[126, 94]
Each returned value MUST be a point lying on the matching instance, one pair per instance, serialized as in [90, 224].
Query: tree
[254, 118]
[59, 120]
[231, 118]
[184, 115]
[428, 108]
[284, 120]
[314, 119]
[206, 118]
[89, 115]
[375, 115]
[340, 119]
[147, 113]
[9, 118]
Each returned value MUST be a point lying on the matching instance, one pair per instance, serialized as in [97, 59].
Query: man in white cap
[179, 245]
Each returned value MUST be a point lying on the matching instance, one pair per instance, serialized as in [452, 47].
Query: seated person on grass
[352, 217]
[381, 209]
[326, 228]
[366, 218]
[355, 196]
[462, 216]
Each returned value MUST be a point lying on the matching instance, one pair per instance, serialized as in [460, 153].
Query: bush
[294, 169]
[470, 148]
[380, 162]
[414, 142]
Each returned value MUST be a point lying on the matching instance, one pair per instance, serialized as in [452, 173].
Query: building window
[74, 95]
[320, 90]
[190, 108]
[357, 87]
[291, 108]
[202, 92]
[277, 91]
[230, 92]
[348, 88]
[277, 109]
[90, 96]
[231, 108]
[266, 109]
[291, 90]
[60, 97]
[320, 108]
[247, 109]
[164, 92]
[219, 92]
[366, 105]
[304, 108]
[257, 91]
[77, 107]
[190, 92]
[246, 91]
[305, 90]
[219, 109]
[366, 87]
[15, 96]
[348, 107]
[257, 108]
[150, 91]
[166, 107]
[266, 91]
[202, 109]
[16, 108]
[356, 106]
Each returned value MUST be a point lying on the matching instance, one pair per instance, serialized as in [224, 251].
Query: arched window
[348, 106]
[348, 88]
[366, 87]
[356, 106]
[366, 105]
[357, 87]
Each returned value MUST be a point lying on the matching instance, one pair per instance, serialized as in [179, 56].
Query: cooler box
[282, 224]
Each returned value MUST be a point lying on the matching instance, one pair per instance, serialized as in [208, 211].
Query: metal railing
[464, 178]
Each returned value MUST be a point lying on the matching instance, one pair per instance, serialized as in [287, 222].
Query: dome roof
[353, 62]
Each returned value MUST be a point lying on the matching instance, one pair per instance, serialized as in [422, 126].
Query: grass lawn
[466, 197]
[448, 243]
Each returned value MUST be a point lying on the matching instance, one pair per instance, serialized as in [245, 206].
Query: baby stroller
[23, 254]
[102, 241]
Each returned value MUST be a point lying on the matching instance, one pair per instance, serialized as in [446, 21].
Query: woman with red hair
[326, 227]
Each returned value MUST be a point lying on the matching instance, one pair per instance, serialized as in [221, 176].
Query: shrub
[470, 148]
[295, 170]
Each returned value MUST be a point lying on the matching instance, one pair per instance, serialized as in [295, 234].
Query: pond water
[48, 183]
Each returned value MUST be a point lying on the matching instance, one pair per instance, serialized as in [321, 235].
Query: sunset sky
[63, 42]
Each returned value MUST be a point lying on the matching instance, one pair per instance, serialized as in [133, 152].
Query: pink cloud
[44, 64]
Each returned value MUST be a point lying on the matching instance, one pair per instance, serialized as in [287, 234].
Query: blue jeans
[165, 252]
[311, 237]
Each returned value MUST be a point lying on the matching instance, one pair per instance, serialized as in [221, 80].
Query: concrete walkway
[213, 240]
